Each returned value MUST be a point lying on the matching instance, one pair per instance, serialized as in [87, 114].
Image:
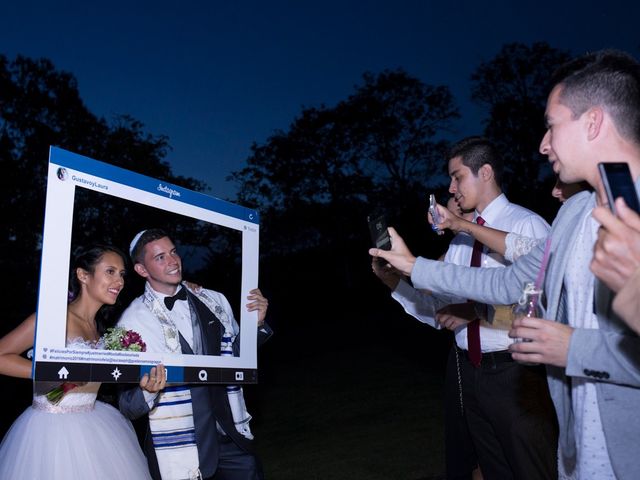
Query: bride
[70, 435]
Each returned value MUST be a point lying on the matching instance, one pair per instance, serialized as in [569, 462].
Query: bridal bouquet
[55, 394]
[116, 338]
[119, 338]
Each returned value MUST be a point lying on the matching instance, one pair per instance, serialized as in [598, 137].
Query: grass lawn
[351, 414]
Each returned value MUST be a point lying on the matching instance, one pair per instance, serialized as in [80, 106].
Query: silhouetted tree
[514, 86]
[314, 183]
[41, 106]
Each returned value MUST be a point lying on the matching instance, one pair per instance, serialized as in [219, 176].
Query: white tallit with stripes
[174, 436]
[171, 421]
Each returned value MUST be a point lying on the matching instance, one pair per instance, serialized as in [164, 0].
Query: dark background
[216, 76]
[316, 117]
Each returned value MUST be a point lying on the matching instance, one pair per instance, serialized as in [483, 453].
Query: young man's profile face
[464, 186]
[562, 142]
[161, 266]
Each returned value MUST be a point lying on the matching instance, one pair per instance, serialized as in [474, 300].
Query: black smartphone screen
[379, 235]
[617, 181]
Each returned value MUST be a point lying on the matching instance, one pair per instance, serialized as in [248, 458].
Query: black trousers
[511, 418]
[234, 463]
[460, 454]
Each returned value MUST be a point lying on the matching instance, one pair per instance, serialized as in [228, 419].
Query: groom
[194, 431]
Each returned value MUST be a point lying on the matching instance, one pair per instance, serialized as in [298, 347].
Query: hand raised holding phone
[616, 255]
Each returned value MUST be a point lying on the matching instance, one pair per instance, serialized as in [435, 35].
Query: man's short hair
[146, 236]
[606, 78]
[477, 151]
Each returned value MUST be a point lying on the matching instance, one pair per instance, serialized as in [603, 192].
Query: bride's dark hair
[87, 257]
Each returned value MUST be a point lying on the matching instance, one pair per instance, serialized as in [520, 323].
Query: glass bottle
[529, 305]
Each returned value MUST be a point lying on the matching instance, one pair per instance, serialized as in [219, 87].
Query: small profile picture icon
[62, 173]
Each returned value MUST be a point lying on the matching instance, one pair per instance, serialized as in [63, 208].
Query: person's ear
[594, 119]
[486, 172]
[140, 270]
[82, 275]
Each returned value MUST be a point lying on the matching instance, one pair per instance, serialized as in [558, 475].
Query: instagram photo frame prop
[52, 359]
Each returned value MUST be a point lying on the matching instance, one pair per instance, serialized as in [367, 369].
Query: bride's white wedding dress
[79, 438]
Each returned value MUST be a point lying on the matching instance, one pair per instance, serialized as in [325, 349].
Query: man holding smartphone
[592, 357]
[616, 259]
[495, 408]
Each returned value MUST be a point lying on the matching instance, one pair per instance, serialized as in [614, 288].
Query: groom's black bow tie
[180, 295]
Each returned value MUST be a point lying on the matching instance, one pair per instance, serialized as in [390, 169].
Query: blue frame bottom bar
[114, 373]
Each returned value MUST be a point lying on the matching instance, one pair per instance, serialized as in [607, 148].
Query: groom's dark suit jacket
[210, 402]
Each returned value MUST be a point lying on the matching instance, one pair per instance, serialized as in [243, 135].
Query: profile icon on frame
[62, 173]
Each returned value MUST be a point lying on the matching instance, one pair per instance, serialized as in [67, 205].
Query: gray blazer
[610, 354]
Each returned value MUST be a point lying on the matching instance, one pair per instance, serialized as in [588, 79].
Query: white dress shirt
[501, 215]
[180, 314]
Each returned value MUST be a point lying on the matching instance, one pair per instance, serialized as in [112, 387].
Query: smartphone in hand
[378, 227]
[433, 210]
[617, 182]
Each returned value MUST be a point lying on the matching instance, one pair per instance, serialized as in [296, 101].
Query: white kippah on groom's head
[134, 242]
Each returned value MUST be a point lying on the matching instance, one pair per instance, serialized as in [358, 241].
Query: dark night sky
[216, 76]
